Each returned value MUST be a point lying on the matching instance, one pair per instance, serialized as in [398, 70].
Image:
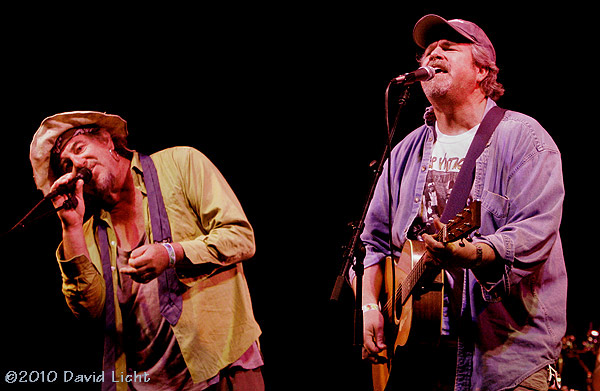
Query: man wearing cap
[158, 261]
[504, 309]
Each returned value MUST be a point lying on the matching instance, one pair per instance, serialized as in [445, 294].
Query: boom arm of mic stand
[70, 203]
[355, 251]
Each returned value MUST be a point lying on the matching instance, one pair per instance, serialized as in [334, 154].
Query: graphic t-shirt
[447, 157]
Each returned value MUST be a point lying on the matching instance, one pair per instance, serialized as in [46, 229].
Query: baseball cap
[431, 28]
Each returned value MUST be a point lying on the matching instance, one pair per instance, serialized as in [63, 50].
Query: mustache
[439, 65]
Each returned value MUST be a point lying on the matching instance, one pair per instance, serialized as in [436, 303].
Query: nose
[436, 52]
[77, 162]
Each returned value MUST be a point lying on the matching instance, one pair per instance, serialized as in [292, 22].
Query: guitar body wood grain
[418, 321]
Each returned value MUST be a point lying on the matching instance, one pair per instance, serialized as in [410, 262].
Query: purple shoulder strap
[110, 328]
[170, 289]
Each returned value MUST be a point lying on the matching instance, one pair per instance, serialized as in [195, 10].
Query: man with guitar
[501, 292]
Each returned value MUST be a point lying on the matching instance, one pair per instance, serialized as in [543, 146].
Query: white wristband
[370, 307]
[171, 252]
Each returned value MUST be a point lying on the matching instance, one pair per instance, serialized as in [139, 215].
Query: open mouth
[439, 67]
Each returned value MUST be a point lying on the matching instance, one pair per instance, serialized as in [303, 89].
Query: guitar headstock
[463, 223]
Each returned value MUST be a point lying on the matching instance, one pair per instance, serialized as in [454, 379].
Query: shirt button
[423, 168]
[417, 199]
[113, 243]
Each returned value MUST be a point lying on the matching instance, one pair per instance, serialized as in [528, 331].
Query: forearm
[223, 246]
[492, 274]
[209, 253]
[179, 252]
[489, 267]
[372, 281]
[480, 257]
[73, 243]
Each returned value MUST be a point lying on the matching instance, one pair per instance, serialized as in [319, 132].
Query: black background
[287, 100]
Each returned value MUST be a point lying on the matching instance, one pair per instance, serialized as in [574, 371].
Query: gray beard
[436, 88]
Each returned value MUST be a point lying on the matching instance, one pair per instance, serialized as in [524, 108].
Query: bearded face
[458, 78]
[95, 152]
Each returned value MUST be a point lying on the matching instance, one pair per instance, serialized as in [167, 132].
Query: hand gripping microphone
[65, 188]
[82, 173]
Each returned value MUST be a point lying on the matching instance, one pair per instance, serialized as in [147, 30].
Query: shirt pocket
[498, 205]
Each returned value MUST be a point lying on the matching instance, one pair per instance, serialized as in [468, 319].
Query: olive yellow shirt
[217, 324]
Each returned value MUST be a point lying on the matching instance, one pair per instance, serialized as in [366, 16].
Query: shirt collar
[138, 180]
[138, 173]
[430, 119]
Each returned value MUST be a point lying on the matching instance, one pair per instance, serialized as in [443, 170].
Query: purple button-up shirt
[513, 327]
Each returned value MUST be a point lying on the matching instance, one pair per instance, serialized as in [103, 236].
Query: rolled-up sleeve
[530, 217]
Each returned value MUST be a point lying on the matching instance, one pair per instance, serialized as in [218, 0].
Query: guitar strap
[466, 175]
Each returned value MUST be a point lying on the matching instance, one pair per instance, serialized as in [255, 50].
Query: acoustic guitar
[412, 296]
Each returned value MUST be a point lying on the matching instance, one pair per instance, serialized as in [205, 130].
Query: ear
[482, 74]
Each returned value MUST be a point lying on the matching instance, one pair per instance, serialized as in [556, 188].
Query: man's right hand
[373, 335]
[374, 339]
[69, 217]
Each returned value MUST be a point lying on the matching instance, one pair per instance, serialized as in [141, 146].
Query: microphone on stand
[424, 73]
[82, 173]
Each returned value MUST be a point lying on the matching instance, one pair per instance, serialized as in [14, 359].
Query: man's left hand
[461, 253]
[147, 262]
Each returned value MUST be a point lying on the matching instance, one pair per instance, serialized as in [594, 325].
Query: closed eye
[76, 148]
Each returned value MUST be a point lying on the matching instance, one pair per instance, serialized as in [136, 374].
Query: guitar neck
[459, 227]
[416, 275]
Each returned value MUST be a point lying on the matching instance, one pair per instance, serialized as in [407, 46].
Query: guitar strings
[420, 265]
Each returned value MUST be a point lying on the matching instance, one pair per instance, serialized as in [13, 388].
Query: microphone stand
[70, 203]
[354, 253]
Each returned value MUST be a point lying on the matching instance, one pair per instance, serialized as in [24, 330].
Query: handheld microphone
[82, 173]
[424, 73]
